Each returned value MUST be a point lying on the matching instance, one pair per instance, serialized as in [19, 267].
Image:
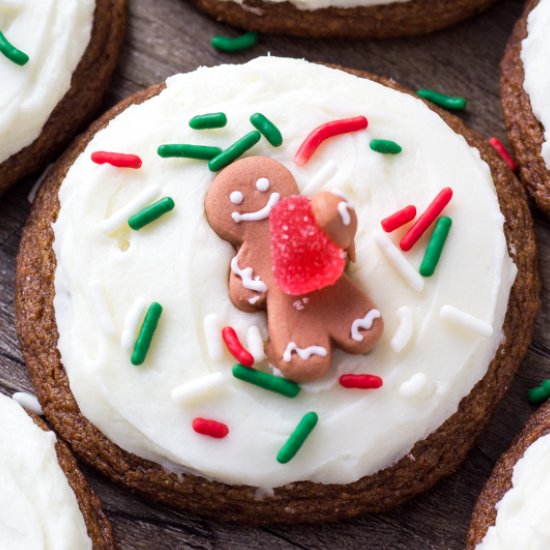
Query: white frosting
[181, 263]
[535, 56]
[54, 34]
[319, 4]
[523, 512]
[38, 508]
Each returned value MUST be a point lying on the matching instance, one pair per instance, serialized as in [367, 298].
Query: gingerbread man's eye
[262, 185]
[236, 197]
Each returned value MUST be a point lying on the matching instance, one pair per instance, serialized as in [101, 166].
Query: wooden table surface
[168, 36]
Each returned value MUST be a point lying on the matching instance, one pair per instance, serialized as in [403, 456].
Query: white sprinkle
[303, 353]
[394, 256]
[28, 401]
[262, 184]
[417, 387]
[199, 389]
[38, 182]
[236, 197]
[131, 324]
[213, 334]
[255, 343]
[247, 275]
[121, 216]
[101, 309]
[404, 331]
[321, 178]
[363, 323]
[459, 317]
[343, 210]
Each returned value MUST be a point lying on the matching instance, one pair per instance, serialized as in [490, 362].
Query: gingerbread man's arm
[337, 218]
[247, 290]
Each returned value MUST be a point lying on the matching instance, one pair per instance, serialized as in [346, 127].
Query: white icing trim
[236, 197]
[255, 343]
[303, 353]
[459, 317]
[199, 389]
[363, 323]
[262, 184]
[28, 401]
[258, 215]
[120, 217]
[213, 335]
[247, 276]
[404, 331]
[399, 262]
[131, 323]
[101, 309]
[343, 211]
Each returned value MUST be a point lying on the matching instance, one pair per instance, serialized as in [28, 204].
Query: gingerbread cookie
[56, 60]
[525, 86]
[47, 501]
[343, 18]
[144, 359]
[512, 509]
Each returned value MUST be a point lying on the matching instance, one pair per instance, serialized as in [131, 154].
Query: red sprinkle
[361, 381]
[401, 217]
[243, 356]
[212, 428]
[120, 160]
[497, 145]
[426, 219]
[325, 131]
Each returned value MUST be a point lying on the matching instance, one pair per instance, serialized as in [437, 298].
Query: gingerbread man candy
[290, 261]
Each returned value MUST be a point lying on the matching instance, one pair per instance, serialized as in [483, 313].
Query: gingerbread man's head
[242, 195]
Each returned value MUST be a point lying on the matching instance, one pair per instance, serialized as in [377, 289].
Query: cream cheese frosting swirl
[105, 276]
[38, 508]
[54, 34]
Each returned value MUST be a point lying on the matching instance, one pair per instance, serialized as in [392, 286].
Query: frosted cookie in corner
[213, 345]
[46, 502]
[525, 88]
[342, 18]
[50, 52]
[512, 510]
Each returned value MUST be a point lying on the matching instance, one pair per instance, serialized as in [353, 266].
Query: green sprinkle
[227, 44]
[445, 101]
[11, 52]
[143, 342]
[385, 146]
[540, 393]
[266, 381]
[209, 120]
[202, 152]
[297, 437]
[267, 129]
[150, 213]
[435, 246]
[234, 151]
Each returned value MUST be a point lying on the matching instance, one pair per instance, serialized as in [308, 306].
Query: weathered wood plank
[168, 36]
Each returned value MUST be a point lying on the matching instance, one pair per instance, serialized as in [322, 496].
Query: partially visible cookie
[513, 508]
[344, 18]
[46, 501]
[525, 87]
[53, 84]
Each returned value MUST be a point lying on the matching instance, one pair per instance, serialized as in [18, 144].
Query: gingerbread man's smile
[257, 215]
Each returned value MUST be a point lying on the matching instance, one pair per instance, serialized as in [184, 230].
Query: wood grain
[168, 36]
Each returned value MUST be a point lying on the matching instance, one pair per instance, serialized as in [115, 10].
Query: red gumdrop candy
[304, 258]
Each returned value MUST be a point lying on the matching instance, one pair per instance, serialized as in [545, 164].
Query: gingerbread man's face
[241, 196]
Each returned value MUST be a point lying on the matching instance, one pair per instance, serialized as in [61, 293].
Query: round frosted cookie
[56, 60]
[525, 85]
[512, 509]
[345, 18]
[46, 501]
[177, 420]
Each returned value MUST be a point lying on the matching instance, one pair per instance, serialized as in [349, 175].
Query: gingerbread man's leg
[299, 344]
[359, 326]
